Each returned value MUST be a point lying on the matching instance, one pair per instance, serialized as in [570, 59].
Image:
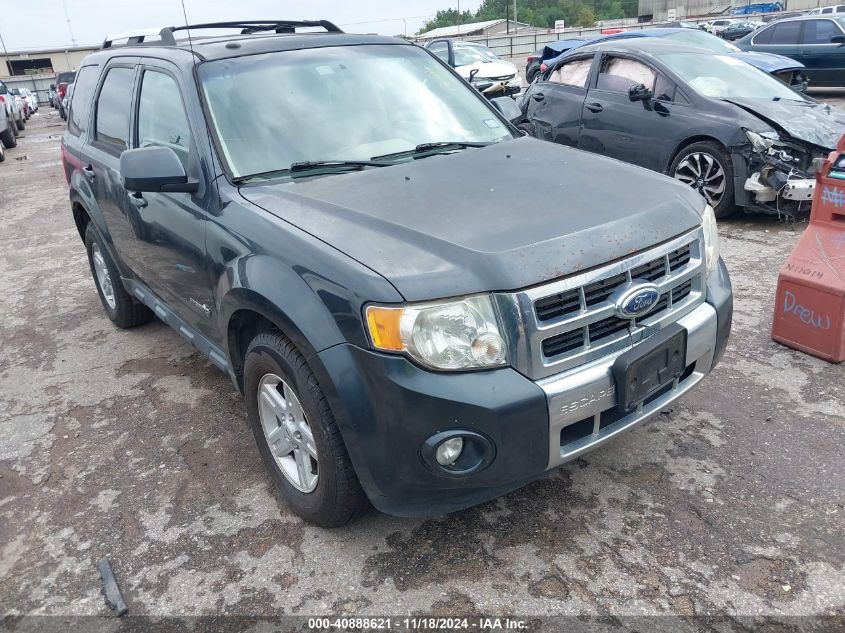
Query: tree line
[541, 13]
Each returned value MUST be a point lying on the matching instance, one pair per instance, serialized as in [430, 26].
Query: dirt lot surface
[130, 444]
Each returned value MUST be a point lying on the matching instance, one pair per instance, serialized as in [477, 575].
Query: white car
[717, 26]
[466, 57]
[31, 99]
[13, 107]
[836, 8]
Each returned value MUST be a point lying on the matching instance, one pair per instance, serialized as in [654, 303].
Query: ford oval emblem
[637, 300]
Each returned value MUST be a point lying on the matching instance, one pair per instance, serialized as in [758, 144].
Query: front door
[637, 132]
[170, 227]
[824, 60]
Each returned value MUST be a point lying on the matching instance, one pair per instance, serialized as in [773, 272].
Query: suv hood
[815, 123]
[486, 219]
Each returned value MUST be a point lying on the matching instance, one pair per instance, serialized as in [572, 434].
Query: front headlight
[711, 239]
[761, 141]
[448, 335]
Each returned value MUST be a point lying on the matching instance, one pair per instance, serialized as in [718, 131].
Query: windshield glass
[338, 104]
[703, 40]
[724, 77]
[466, 55]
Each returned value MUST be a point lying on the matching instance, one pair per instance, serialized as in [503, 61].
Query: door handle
[538, 96]
[594, 107]
[90, 174]
[138, 200]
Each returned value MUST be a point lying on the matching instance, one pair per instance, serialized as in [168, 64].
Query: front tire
[7, 137]
[297, 435]
[123, 310]
[707, 167]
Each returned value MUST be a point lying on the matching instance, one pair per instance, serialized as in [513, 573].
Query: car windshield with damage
[340, 104]
[724, 77]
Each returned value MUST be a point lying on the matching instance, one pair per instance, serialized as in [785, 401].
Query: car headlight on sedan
[711, 239]
[454, 335]
[761, 141]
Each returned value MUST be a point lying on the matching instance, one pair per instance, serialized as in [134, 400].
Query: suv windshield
[724, 77]
[65, 78]
[342, 103]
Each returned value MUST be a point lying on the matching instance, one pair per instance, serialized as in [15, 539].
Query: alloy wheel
[288, 433]
[103, 276]
[703, 173]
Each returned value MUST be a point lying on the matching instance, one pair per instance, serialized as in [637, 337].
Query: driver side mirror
[838, 39]
[639, 93]
[154, 169]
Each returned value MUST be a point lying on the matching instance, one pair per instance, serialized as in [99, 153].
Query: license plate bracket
[650, 366]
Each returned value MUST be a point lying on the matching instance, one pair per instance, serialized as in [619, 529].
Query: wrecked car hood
[487, 69]
[815, 123]
[501, 217]
[768, 62]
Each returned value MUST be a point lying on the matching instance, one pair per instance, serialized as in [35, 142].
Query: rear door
[781, 38]
[110, 137]
[170, 227]
[641, 133]
[824, 60]
[556, 101]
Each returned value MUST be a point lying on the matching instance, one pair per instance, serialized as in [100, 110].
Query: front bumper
[387, 408]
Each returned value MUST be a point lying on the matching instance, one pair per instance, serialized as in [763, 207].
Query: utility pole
[507, 17]
[69, 28]
[6, 57]
[515, 24]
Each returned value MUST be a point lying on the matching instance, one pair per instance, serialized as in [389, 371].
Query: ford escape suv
[403, 332]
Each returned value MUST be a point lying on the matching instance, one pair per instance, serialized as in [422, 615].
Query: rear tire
[123, 310]
[7, 137]
[15, 130]
[707, 167]
[297, 435]
[2, 153]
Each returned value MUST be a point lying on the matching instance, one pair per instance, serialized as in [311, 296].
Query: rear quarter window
[80, 105]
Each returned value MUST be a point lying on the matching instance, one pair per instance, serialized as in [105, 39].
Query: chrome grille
[572, 321]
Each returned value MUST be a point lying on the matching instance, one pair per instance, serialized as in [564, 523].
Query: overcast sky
[41, 23]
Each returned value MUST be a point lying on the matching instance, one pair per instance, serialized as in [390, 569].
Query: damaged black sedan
[731, 131]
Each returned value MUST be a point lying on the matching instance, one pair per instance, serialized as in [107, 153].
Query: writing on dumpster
[807, 271]
[834, 196]
[805, 314]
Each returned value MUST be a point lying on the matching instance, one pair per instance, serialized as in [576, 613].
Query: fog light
[449, 451]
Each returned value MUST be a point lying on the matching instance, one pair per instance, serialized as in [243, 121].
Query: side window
[819, 32]
[617, 74]
[572, 73]
[764, 36]
[111, 127]
[161, 115]
[785, 33]
[664, 89]
[80, 105]
[441, 49]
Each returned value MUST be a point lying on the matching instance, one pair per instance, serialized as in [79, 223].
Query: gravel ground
[130, 444]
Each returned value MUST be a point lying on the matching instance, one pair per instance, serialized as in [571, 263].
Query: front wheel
[7, 137]
[297, 435]
[708, 169]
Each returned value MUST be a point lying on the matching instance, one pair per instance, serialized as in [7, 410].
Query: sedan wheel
[702, 172]
[708, 169]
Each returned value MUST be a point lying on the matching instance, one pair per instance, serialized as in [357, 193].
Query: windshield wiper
[324, 166]
[427, 149]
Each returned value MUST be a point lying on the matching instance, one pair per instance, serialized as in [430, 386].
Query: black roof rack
[166, 38]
